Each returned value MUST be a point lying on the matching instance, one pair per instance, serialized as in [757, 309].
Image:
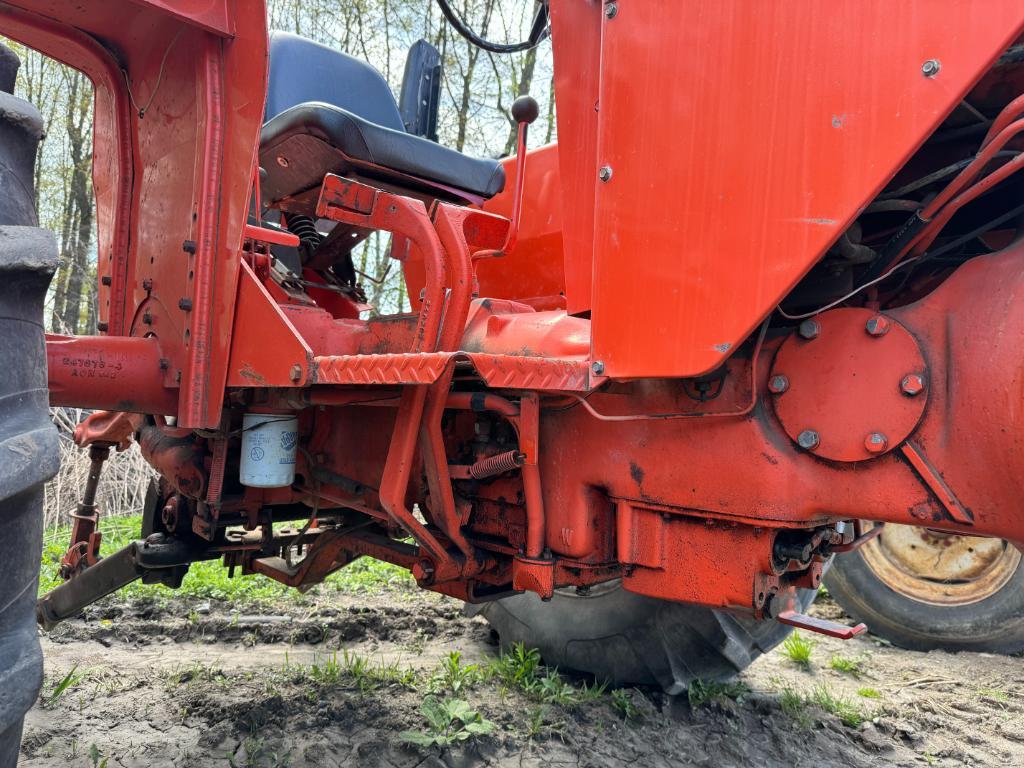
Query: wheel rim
[940, 568]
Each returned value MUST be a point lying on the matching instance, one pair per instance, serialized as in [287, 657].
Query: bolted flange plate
[846, 384]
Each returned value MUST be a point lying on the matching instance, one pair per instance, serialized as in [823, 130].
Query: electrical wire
[159, 78]
[848, 296]
[538, 32]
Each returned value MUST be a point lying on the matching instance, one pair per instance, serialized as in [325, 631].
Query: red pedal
[821, 626]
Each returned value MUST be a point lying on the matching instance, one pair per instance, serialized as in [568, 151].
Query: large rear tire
[925, 590]
[28, 441]
[628, 639]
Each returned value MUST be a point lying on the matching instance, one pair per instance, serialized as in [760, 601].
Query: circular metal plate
[846, 385]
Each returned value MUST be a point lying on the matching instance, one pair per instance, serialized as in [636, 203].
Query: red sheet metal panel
[576, 43]
[741, 139]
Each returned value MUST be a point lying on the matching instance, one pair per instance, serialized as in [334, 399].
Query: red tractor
[764, 297]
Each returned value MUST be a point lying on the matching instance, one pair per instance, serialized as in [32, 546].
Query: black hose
[538, 32]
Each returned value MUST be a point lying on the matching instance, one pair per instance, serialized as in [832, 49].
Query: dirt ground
[194, 684]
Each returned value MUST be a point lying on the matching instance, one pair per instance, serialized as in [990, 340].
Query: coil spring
[304, 228]
[496, 465]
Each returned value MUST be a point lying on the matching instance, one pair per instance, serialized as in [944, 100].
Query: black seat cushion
[328, 112]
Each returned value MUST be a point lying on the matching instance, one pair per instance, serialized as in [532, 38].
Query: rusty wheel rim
[940, 568]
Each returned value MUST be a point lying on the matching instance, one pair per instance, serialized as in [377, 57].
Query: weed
[448, 721]
[703, 692]
[95, 755]
[847, 665]
[366, 674]
[869, 693]
[198, 672]
[517, 667]
[256, 754]
[453, 676]
[622, 701]
[795, 705]
[520, 667]
[833, 703]
[798, 649]
[994, 693]
[69, 681]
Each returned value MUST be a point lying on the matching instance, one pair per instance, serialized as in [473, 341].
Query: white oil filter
[269, 441]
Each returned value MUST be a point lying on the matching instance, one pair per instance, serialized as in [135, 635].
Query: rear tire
[628, 639]
[978, 606]
[28, 441]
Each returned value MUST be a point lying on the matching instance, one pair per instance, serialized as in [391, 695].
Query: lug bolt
[875, 442]
[809, 329]
[605, 174]
[877, 326]
[931, 68]
[808, 439]
[912, 384]
[778, 384]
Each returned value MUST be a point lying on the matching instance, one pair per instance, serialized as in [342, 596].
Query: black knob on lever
[525, 109]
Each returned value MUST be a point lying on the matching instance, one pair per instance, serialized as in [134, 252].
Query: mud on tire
[28, 441]
[630, 639]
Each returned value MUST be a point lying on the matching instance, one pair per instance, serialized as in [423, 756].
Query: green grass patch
[869, 693]
[209, 579]
[836, 704]
[795, 705]
[798, 649]
[703, 692]
[847, 666]
[520, 667]
[362, 672]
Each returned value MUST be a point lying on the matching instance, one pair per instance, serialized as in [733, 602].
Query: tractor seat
[328, 112]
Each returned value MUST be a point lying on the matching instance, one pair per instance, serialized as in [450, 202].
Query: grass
[704, 692]
[795, 705]
[847, 666]
[362, 672]
[209, 579]
[836, 704]
[622, 702]
[798, 649]
[520, 668]
[869, 693]
[65, 684]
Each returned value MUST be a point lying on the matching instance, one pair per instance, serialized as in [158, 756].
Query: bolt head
[611, 10]
[912, 384]
[877, 326]
[296, 372]
[597, 367]
[875, 442]
[808, 439]
[931, 68]
[778, 384]
[282, 161]
[809, 329]
[605, 174]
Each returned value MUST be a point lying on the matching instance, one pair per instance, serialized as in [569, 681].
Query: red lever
[821, 626]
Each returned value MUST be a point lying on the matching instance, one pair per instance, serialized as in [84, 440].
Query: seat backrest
[302, 70]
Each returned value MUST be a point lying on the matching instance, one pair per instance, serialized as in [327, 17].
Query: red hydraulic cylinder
[115, 373]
